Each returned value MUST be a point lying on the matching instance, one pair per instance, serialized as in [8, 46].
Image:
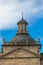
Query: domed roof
[22, 21]
[22, 39]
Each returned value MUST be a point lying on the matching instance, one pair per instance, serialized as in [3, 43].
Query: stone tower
[22, 25]
[22, 49]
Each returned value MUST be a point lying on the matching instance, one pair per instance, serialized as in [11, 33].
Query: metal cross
[22, 15]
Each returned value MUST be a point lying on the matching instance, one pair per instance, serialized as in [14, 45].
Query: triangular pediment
[20, 52]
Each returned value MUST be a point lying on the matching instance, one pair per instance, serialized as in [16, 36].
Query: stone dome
[23, 39]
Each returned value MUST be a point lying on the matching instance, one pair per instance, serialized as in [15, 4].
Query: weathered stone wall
[34, 49]
[21, 53]
[7, 49]
[31, 61]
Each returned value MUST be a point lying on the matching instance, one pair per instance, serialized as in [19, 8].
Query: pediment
[20, 52]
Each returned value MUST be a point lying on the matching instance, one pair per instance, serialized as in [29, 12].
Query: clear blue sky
[10, 14]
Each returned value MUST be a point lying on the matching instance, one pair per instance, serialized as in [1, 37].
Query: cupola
[22, 26]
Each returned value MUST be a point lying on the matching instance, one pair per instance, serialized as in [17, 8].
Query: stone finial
[4, 40]
[38, 38]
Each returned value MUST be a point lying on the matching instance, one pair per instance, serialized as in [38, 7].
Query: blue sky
[10, 14]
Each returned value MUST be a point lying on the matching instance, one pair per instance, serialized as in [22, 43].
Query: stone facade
[16, 55]
[22, 49]
[35, 61]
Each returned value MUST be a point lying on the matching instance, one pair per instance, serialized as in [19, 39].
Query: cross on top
[22, 15]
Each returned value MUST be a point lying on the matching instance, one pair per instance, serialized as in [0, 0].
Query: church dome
[23, 39]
